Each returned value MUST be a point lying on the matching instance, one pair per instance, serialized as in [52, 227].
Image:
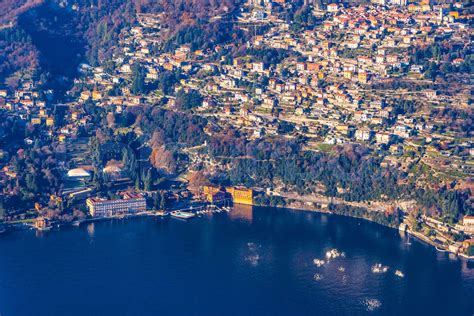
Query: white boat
[161, 213]
[319, 262]
[45, 228]
[399, 273]
[182, 215]
[334, 253]
[318, 277]
[76, 223]
[379, 268]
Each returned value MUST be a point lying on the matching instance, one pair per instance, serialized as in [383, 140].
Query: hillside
[56, 37]
[11, 9]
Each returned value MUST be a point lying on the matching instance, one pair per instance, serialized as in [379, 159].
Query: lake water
[247, 262]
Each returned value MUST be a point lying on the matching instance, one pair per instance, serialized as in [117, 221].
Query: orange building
[209, 189]
[241, 195]
[42, 223]
[214, 194]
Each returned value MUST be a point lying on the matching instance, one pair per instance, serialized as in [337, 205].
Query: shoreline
[418, 236]
[299, 208]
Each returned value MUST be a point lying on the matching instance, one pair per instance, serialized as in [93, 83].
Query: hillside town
[391, 76]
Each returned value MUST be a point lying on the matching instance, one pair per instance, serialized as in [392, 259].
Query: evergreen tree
[138, 80]
[162, 200]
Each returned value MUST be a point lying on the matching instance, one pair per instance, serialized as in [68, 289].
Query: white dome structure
[112, 169]
[78, 173]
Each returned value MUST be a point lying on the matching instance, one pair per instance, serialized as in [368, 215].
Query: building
[241, 195]
[333, 7]
[467, 225]
[49, 121]
[468, 221]
[363, 77]
[215, 194]
[78, 174]
[401, 3]
[42, 223]
[129, 204]
[258, 66]
[383, 137]
[363, 134]
[468, 243]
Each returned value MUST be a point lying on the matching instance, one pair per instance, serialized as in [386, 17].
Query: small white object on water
[334, 253]
[399, 273]
[341, 269]
[253, 259]
[371, 304]
[379, 268]
[319, 262]
[317, 277]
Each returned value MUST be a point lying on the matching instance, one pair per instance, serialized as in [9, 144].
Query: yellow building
[413, 7]
[241, 195]
[343, 129]
[208, 189]
[43, 113]
[347, 74]
[363, 77]
[96, 95]
[42, 223]
[49, 121]
[454, 14]
[85, 95]
[35, 121]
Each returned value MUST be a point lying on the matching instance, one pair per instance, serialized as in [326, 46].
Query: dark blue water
[248, 262]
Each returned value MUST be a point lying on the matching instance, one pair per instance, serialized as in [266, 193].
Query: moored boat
[182, 215]
[379, 268]
[76, 223]
[161, 213]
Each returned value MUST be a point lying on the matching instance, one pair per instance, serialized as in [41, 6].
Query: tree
[431, 72]
[137, 184]
[2, 209]
[138, 80]
[147, 181]
[110, 120]
[187, 101]
[197, 180]
[166, 81]
[162, 200]
[32, 183]
[470, 250]
[163, 159]
[156, 201]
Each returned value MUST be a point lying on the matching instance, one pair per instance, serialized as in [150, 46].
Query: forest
[348, 172]
[17, 52]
